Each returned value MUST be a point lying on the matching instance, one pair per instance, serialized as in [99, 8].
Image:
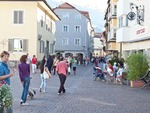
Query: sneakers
[21, 101]
[24, 104]
[58, 93]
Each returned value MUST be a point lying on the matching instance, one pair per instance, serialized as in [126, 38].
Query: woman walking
[62, 72]
[34, 62]
[43, 80]
[24, 73]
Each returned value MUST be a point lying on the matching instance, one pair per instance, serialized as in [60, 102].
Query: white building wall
[123, 8]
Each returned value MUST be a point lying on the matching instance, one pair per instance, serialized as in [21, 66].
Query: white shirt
[28, 60]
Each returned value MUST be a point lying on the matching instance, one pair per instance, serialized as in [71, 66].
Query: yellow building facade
[27, 27]
[111, 20]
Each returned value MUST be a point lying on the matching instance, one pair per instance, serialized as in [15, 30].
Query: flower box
[136, 84]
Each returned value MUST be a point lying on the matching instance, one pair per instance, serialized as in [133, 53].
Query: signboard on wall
[141, 31]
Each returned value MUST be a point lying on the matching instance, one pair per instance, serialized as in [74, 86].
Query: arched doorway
[68, 54]
[79, 58]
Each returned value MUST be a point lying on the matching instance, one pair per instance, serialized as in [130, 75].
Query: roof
[97, 35]
[69, 6]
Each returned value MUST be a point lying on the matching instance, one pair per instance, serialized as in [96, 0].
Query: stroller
[98, 73]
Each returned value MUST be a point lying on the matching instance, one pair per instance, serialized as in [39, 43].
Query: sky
[99, 5]
[96, 9]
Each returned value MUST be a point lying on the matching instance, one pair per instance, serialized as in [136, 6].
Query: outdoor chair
[146, 80]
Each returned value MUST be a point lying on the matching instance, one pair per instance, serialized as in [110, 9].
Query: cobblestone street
[83, 96]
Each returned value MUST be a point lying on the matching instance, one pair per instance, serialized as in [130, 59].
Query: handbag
[46, 74]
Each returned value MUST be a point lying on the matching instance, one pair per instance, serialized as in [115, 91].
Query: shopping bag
[69, 69]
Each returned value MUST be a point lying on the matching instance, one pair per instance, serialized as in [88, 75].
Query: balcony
[112, 35]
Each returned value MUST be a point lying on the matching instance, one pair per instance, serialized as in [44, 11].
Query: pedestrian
[74, 66]
[34, 62]
[28, 59]
[43, 80]
[62, 72]
[49, 63]
[55, 64]
[5, 73]
[24, 73]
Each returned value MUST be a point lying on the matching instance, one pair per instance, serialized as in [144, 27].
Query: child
[74, 66]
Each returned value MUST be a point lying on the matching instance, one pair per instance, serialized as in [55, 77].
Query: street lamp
[139, 9]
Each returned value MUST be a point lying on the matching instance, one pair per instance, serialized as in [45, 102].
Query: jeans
[43, 83]
[26, 84]
[62, 78]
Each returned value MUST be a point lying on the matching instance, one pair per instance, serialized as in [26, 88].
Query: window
[42, 23]
[77, 16]
[77, 28]
[47, 25]
[114, 32]
[65, 41]
[127, 21]
[65, 28]
[77, 41]
[18, 17]
[41, 46]
[115, 9]
[66, 15]
[120, 22]
[18, 45]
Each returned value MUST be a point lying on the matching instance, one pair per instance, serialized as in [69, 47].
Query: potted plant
[137, 66]
[6, 98]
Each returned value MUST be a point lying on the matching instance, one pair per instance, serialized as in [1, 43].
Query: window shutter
[20, 17]
[15, 17]
[25, 45]
[10, 45]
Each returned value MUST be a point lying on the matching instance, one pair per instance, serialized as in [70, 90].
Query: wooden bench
[146, 80]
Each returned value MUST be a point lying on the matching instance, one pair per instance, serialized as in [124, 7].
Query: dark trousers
[49, 68]
[54, 70]
[62, 78]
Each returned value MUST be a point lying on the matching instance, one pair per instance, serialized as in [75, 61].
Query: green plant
[6, 98]
[137, 65]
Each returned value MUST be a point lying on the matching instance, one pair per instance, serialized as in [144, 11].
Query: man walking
[49, 63]
[62, 72]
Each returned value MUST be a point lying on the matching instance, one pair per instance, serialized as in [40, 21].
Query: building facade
[98, 45]
[73, 32]
[134, 32]
[110, 28]
[27, 26]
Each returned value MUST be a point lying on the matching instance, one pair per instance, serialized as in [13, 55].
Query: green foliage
[115, 59]
[6, 98]
[137, 65]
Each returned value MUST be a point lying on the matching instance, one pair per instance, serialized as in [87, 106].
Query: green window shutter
[10, 45]
[25, 45]
[20, 17]
[15, 17]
